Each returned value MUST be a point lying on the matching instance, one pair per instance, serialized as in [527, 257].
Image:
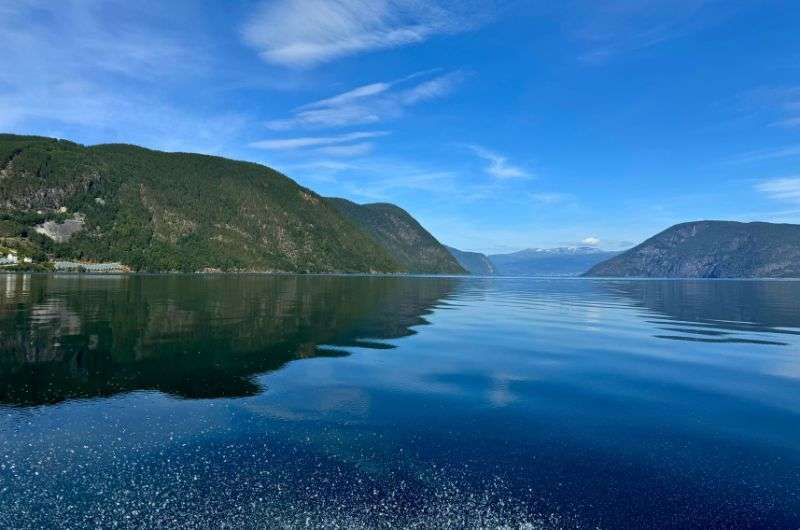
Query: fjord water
[284, 401]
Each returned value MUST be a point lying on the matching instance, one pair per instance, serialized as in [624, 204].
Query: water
[359, 402]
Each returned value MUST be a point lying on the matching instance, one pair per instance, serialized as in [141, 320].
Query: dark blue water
[360, 402]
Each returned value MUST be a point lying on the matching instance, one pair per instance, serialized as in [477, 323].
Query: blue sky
[499, 125]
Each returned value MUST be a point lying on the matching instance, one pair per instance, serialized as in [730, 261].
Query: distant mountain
[157, 211]
[711, 249]
[561, 261]
[406, 241]
[474, 262]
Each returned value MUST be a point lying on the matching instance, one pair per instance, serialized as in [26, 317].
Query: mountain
[562, 261]
[157, 211]
[474, 262]
[406, 241]
[712, 249]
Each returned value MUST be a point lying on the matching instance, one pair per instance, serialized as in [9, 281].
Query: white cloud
[432, 89]
[767, 154]
[368, 104]
[617, 26]
[377, 178]
[551, 197]
[350, 96]
[291, 144]
[789, 122]
[590, 241]
[499, 166]
[782, 189]
[781, 103]
[361, 149]
[305, 33]
[92, 69]
[326, 117]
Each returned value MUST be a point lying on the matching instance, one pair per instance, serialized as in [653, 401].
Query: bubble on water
[239, 488]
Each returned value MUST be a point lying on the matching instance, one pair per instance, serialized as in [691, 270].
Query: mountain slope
[171, 211]
[474, 262]
[711, 249]
[406, 241]
[563, 261]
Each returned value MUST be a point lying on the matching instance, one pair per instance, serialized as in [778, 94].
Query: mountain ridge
[159, 211]
[558, 261]
[474, 262]
[711, 249]
[406, 241]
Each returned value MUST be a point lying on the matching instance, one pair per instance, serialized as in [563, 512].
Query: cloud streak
[292, 144]
[780, 103]
[306, 33]
[788, 151]
[378, 178]
[85, 68]
[611, 27]
[782, 189]
[550, 198]
[368, 104]
[499, 167]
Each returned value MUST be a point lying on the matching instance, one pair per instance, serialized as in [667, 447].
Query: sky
[499, 124]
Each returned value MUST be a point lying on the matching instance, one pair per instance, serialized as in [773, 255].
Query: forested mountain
[711, 249]
[160, 211]
[474, 262]
[406, 241]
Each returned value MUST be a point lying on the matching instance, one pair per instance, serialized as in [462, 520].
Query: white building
[9, 259]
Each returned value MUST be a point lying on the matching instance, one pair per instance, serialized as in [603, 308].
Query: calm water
[350, 402]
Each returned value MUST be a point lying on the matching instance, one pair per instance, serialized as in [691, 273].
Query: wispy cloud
[611, 27]
[499, 167]
[350, 96]
[306, 33]
[780, 104]
[79, 68]
[788, 122]
[431, 89]
[782, 189]
[767, 154]
[387, 178]
[368, 104]
[591, 241]
[352, 150]
[548, 198]
[292, 144]
[786, 103]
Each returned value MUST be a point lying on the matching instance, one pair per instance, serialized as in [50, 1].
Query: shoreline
[7, 272]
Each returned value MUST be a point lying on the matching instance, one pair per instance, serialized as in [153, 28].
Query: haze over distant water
[363, 402]
[562, 261]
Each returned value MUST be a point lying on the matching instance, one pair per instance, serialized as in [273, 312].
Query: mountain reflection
[716, 311]
[193, 337]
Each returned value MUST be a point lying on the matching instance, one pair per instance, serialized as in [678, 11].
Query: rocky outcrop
[63, 231]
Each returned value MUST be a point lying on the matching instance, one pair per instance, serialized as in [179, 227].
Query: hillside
[563, 261]
[159, 211]
[711, 249]
[474, 262]
[406, 241]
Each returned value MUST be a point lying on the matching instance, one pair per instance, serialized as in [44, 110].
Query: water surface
[284, 401]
